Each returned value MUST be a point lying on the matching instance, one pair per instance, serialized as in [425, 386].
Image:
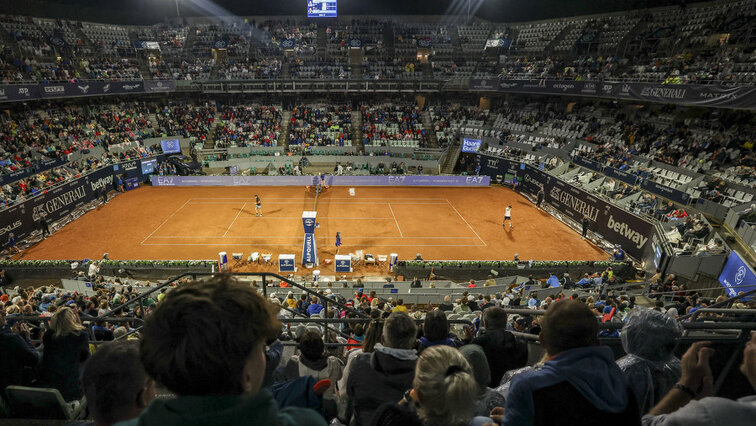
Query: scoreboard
[321, 8]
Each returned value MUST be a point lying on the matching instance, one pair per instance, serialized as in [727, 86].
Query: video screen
[148, 166]
[470, 145]
[321, 8]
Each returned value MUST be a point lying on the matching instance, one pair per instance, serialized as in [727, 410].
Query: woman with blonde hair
[443, 393]
[66, 347]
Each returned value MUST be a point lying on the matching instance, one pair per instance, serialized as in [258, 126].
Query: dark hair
[495, 318]
[199, 338]
[112, 380]
[358, 330]
[568, 324]
[435, 326]
[311, 345]
[399, 331]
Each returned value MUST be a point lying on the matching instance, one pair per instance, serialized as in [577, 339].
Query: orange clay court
[195, 223]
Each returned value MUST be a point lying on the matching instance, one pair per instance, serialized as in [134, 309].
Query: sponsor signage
[286, 263]
[170, 146]
[25, 92]
[399, 180]
[666, 192]
[613, 223]
[711, 95]
[628, 178]
[309, 250]
[58, 202]
[342, 263]
[25, 173]
[588, 164]
[737, 276]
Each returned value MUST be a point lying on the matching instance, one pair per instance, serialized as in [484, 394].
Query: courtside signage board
[737, 276]
[399, 180]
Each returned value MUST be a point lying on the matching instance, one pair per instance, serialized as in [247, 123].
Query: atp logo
[740, 275]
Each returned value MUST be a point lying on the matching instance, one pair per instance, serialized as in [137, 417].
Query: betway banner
[399, 180]
[614, 224]
[27, 92]
[709, 95]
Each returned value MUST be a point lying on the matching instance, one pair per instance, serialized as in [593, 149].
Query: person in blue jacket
[338, 241]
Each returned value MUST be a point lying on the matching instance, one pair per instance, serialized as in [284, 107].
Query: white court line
[165, 221]
[468, 224]
[326, 203]
[320, 218]
[301, 238]
[396, 221]
[234, 221]
[329, 198]
[280, 245]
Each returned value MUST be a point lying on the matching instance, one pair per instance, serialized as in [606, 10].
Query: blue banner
[470, 145]
[737, 276]
[343, 264]
[286, 263]
[25, 173]
[588, 164]
[628, 178]
[666, 192]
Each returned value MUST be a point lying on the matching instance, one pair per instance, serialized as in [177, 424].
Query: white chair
[369, 259]
[382, 258]
[254, 257]
[42, 403]
[266, 257]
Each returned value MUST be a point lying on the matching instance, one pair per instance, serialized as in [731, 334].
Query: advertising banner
[309, 250]
[613, 223]
[628, 178]
[57, 203]
[711, 95]
[588, 164]
[666, 192]
[27, 92]
[737, 276]
[343, 263]
[286, 263]
[24, 173]
[399, 180]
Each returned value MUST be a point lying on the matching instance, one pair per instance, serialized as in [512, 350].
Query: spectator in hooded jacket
[502, 350]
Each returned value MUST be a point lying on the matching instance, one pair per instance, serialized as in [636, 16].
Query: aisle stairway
[357, 130]
[447, 167]
[283, 138]
[428, 124]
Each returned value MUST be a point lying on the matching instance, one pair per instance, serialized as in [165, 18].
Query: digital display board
[321, 8]
[470, 145]
[148, 166]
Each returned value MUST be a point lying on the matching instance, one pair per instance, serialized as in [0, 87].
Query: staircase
[428, 124]
[210, 141]
[631, 35]
[84, 39]
[357, 131]
[322, 41]
[388, 39]
[283, 138]
[447, 167]
[285, 69]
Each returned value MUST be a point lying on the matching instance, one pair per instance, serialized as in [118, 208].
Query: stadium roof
[152, 11]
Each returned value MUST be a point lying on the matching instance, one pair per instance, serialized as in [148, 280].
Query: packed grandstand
[620, 289]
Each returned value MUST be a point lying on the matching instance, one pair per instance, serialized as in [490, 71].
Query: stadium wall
[399, 180]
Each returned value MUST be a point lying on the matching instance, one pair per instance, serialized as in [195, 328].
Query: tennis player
[338, 241]
[508, 217]
[258, 206]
